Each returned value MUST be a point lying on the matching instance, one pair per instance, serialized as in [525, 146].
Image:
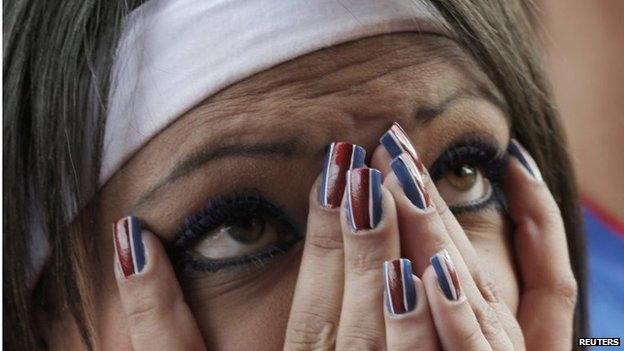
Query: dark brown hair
[57, 56]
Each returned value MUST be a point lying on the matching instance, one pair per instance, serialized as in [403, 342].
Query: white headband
[173, 54]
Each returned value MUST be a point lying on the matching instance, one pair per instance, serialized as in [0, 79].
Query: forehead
[392, 74]
[338, 93]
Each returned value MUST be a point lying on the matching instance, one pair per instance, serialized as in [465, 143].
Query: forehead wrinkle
[327, 71]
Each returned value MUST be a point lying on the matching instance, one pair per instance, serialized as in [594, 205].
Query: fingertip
[391, 182]
[525, 160]
[381, 160]
[528, 198]
[429, 277]
[149, 261]
[314, 197]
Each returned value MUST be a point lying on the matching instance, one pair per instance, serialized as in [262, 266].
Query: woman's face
[265, 138]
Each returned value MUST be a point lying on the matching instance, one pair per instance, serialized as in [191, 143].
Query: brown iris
[246, 232]
[463, 177]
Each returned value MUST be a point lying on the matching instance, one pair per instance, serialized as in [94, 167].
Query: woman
[204, 145]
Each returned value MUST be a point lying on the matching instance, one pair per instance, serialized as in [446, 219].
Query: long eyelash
[481, 152]
[223, 210]
[227, 210]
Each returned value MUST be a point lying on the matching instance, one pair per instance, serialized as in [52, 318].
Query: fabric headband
[173, 54]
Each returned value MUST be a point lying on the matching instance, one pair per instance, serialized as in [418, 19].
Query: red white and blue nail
[340, 158]
[518, 151]
[129, 245]
[411, 180]
[396, 142]
[400, 293]
[363, 198]
[447, 275]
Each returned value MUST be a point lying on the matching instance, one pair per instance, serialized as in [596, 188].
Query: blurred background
[584, 41]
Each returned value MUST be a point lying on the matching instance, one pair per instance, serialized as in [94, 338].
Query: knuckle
[550, 217]
[488, 320]
[443, 209]
[364, 263]
[360, 338]
[324, 243]
[149, 310]
[566, 290]
[309, 330]
[472, 339]
[488, 289]
[405, 346]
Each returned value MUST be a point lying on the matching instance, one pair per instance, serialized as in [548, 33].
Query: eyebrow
[295, 147]
[288, 148]
[429, 112]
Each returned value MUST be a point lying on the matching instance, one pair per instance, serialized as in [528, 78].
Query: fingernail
[129, 245]
[340, 158]
[364, 198]
[411, 180]
[447, 276]
[396, 142]
[518, 151]
[399, 284]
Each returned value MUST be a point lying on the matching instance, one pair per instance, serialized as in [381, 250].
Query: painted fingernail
[399, 285]
[364, 198]
[340, 158]
[411, 180]
[518, 151]
[396, 142]
[129, 245]
[447, 275]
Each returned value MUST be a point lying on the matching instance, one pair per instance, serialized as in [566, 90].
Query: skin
[349, 92]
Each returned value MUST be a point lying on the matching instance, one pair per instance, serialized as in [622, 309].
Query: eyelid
[219, 211]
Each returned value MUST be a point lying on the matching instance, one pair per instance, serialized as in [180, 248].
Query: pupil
[464, 171]
[246, 231]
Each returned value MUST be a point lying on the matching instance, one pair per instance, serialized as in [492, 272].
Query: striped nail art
[399, 285]
[447, 276]
[411, 180]
[364, 198]
[396, 142]
[340, 158]
[129, 245]
[517, 150]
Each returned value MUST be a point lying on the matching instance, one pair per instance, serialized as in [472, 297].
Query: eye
[236, 239]
[233, 232]
[468, 174]
[463, 184]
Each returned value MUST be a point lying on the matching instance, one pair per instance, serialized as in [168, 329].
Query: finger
[158, 316]
[550, 289]
[370, 237]
[456, 323]
[423, 234]
[408, 320]
[315, 311]
[428, 226]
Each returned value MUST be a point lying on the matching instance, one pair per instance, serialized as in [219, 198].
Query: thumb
[151, 297]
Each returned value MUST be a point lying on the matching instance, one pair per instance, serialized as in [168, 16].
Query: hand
[478, 320]
[338, 300]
